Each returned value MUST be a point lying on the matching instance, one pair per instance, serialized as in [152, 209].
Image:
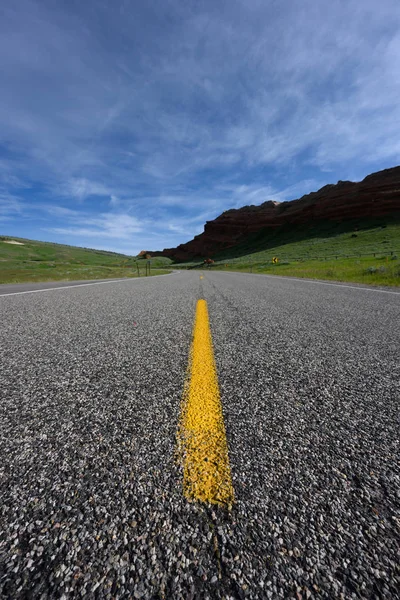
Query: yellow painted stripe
[202, 443]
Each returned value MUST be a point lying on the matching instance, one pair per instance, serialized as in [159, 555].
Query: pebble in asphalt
[91, 493]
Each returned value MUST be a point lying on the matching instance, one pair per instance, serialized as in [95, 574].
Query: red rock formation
[376, 196]
[150, 254]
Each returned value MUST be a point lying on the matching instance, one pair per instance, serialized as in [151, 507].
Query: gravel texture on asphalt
[91, 384]
[20, 288]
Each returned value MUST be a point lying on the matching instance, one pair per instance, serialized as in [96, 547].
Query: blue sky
[125, 125]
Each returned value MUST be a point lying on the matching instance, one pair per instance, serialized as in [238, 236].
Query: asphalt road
[22, 288]
[91, 383]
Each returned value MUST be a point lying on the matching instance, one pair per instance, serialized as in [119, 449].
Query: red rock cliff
[377, 195]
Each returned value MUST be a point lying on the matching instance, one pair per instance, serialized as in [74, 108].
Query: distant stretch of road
[93, 500]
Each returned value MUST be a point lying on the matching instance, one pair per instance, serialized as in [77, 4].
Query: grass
[335, 252]
[363, 251]
[43, 261]
[319, 240]
[371, 271]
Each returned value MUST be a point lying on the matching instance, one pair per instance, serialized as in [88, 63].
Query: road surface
[91, 384]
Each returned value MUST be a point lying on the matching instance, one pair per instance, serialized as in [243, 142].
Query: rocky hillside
[377, 195]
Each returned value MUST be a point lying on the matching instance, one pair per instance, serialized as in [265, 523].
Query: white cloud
[215, 110]
[114, 200]
[10, 207]
[245, 194]
[106, 225]
[257, 74]
[81, 188]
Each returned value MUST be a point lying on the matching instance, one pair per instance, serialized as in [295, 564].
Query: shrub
[369, 270]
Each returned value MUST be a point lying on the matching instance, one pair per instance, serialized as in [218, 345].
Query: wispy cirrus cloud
[105, 225]
[166, 111]
[11, 207]
[81, 188]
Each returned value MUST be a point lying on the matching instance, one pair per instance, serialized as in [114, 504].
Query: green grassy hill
[322, 240]
[364, 251]
[31, 260]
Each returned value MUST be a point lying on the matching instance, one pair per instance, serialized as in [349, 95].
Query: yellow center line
[202, 443]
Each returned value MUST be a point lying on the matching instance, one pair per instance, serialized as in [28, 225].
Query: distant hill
[350, 205]
[30, 260]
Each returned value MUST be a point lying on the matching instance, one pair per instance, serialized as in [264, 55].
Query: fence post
[138, 271]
